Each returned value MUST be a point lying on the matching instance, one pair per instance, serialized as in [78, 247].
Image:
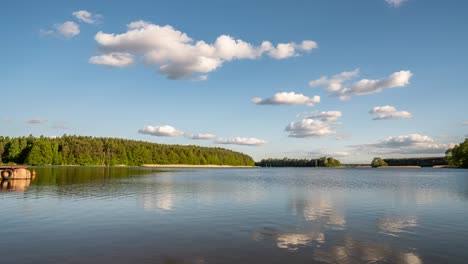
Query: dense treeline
[458, 155]
[286, 162]
[81, 150]
[423, 162]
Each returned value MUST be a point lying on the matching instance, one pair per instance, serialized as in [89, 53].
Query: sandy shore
[192, 166]
[399, 167]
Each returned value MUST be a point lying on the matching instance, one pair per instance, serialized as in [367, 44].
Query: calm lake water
[125, 215]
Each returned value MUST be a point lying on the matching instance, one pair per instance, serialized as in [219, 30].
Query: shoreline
[191, 166]
[400, 167]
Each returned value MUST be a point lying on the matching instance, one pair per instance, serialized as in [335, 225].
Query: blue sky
[168, 71]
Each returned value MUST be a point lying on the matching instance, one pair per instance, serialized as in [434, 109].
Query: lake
[258, 215]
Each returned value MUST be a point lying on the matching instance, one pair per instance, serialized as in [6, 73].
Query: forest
[423, 162]
[286, 162]
[99, 151]
[458, 155]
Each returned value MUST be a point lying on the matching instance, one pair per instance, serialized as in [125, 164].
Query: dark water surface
[124, 215]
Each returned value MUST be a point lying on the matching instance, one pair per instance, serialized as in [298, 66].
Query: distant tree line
[458, 155]
[286, 162]
[81, 150]
[423, 162]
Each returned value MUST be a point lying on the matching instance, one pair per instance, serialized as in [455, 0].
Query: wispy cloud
[388, 112]
[36, 121]
[323, 152]
[180, 57]
[241, 141]
[405, 144]
[395, 3]
[465, 123]
[86, 16]
[335, 85]
[326, 116]
[61, 126]
[199, 136]
[115, 59]
[287, 98]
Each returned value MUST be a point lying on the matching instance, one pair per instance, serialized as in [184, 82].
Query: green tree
[458, 155]
[40, 153]
[12, 151]
[378, 162]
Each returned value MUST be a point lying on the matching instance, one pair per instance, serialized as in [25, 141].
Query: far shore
[191, 166]
[399, 167]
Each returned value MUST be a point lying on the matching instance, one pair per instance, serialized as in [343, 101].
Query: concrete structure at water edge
[15, 172]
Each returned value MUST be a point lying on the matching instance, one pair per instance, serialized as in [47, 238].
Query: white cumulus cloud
[395, 3]
[286, 50]
[316, 124]
[287, 98]
[178, 56]
[86, 17]
[161, 131]
[199, 136]
[388, 112]
[335, 85]
[116, 59]
[309, 128]
[241, 141]
[68, 29]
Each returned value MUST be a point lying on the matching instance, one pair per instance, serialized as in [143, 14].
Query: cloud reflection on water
[162, 201]
[289, 241]
[320, 207]
[354, 251]
[393, 226]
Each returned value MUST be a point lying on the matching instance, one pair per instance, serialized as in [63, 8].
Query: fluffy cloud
[180, 57]
[286, 98]
[199, 136]
[36, 121]
[395, 3]
[241, 141]
[326, 116]
[68, 29]
[86, 17]
[309, 128]
[286, 50]
[317, 124]
[465, 123]
[160, 131]
[388, 112]
[335, 84]
[406, 144]
[116, 59]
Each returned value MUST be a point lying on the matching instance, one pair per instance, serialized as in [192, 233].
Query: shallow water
[290, 215]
